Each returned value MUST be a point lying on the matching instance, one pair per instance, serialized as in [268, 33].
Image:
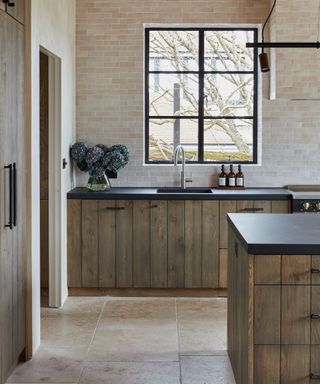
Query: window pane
[228, 139]
[163, 133]
[173, 51]
[226, 51]
[228, 95]
[173, 95]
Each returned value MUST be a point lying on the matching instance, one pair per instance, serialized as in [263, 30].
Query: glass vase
[99, 183]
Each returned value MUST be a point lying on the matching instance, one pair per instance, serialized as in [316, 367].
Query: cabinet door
[315, 315]
[226, 206]
[210, 244]
[295, 364]
[141, 244]
[17, 10]
[107, 243]
[176, 243]
[74, 243]
[281, 206]
[90, 242]
[124, 244]
[159, 243]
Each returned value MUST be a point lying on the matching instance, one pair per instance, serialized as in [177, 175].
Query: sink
[187, 190]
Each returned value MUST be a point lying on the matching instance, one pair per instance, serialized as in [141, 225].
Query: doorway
[44, 178]
[50, 179]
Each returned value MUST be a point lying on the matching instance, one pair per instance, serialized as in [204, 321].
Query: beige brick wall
[110, 89]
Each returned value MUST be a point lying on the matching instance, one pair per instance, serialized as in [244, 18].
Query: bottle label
[232, 182]
[240, 182]
[222, 182]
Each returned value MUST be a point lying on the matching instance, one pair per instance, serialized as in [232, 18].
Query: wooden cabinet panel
[244, 206]
[141, 244]
[176, 242]
[226, 206]
[210, 244]
[267, 269]
[17, 11]
[159, 244]
[295, 315]
[264, 206]
[266, 364]
[124, 244]
[223, 268]
[193, 247]
[280, 206]
[107, 243]
[90, 241]
[315, 265]
[315, 311]
[267, 309]
[74, 243]
[44, 244]
[2, 6]
[295, 364]
[296, 269]
[315, 361]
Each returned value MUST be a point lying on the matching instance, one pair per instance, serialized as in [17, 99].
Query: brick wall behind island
[110, 89]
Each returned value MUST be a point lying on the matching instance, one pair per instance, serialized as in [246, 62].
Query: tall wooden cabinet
[12, 301]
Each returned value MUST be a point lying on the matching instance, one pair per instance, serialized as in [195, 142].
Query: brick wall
[110, 88]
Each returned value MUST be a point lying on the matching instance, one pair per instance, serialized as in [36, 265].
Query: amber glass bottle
[222, 177]
[239, 177]
[231, 177]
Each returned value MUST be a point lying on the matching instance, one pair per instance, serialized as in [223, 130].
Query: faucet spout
[179, 152]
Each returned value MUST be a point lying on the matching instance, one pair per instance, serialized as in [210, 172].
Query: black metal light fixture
[263, 57]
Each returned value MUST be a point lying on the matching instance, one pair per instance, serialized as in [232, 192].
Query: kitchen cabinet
[143, 244]
[273, 316]
[152, 243]
[12, 282]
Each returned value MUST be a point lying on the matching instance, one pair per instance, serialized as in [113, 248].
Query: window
[201, 92]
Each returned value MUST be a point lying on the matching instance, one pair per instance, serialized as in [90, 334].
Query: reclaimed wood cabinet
[12, 281]
[152, 243]
[143, 244]
[273, 317]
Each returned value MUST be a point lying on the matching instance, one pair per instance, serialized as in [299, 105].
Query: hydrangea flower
[99, 159]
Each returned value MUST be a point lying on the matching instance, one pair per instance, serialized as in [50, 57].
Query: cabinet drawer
[296, 269]
[315, 315]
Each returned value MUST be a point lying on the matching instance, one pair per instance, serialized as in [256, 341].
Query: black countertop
[122, 193]
[276, 234]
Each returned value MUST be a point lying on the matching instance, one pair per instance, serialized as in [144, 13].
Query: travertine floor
[131, 341]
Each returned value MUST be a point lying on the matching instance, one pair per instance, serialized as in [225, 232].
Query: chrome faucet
[180, 150]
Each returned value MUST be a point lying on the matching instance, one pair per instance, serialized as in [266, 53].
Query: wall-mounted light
[263, 57]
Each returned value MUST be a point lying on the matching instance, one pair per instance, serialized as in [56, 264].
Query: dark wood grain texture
[210, 244]
[226, 206]
[74, 243]
[193, 244]
[159, 243]
[296, 269]
[176, 244]
[107, 244]
[267, 364]
[295, 364]
[280, 206]
[267, 314]
[90, 243]
[267, 269]
[295, 314]
[124, 244]
[141, 244]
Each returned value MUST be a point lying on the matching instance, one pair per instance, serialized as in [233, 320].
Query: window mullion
[201, 97]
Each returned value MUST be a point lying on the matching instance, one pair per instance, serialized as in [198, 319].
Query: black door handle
[315, 270]
[315, 316]
[10, 222]
[14, 181]
[315, 376]
[252, 210]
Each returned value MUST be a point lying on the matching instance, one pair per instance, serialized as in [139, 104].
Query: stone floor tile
[206, 370]
[131, 373]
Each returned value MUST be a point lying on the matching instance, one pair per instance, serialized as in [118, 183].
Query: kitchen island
[274, 298]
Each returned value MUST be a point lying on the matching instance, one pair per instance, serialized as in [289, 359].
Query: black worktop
[276, 234]
[122, 193]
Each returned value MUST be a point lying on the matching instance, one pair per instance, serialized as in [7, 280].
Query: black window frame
[201, 72]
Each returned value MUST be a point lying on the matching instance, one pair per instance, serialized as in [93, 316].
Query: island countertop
[276, 234]
[139, 193]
